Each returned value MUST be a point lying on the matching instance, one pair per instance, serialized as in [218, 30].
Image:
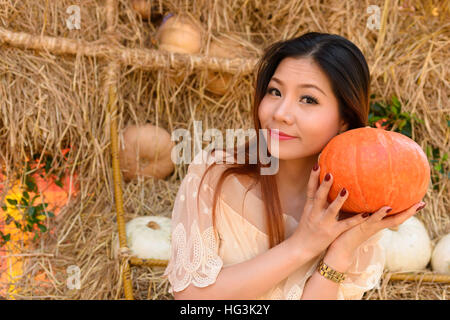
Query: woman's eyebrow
[303, 85]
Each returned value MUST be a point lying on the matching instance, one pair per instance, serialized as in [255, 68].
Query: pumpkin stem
[153, 225]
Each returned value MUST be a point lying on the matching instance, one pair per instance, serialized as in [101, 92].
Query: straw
[55, 93]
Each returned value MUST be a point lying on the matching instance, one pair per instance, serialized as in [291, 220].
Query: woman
[271, 235]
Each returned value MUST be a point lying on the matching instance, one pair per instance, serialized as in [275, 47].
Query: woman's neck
[292, 180]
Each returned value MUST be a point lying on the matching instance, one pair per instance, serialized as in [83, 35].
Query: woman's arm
[320, 288]
[341, 252]
[252, 278]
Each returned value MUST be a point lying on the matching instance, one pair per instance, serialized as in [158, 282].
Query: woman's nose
[283, 112]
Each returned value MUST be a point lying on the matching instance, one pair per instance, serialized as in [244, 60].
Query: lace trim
[202, 269]
[294, 293]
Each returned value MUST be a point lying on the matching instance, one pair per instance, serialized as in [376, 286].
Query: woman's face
[300, 102]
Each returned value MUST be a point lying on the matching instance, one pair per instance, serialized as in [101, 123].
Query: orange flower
[379, 122]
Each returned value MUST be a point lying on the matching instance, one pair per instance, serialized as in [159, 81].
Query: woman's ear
[343, 127]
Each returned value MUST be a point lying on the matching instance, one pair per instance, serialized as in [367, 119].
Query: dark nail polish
[388, 210]
[316, 166]
[365, 214]
[327, 177]
[343, 192]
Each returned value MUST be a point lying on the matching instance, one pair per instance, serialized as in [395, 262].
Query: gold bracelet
[330, 273]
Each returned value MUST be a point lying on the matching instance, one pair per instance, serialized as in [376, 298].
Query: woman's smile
[276, 134]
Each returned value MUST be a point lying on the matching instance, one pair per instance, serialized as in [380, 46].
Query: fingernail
[343, 192]
[316, 166]
[365, 214]
[327, 177]
[421, 207]
[389, 210]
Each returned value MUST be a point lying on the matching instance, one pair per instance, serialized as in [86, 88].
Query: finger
[313, 184]
[344, 225]
[335, 206]
[397, 219]
[379, 215]
[320, 198]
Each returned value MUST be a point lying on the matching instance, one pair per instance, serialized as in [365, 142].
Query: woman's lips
[280, 136]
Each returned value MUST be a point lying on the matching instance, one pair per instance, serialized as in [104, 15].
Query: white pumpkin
[149, 237]
[440, 260]
[408, 248]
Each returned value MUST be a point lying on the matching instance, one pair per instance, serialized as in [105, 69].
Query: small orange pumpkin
[146, 151]
[377, 167]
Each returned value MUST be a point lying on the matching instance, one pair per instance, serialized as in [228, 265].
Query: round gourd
[222, 47]
[377, 167]
[146, 152]
[179, 34]
[440, 260]
[408, 248]
[149, 237]
[143, 7]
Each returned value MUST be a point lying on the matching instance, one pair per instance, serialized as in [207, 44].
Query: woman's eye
[273, 91]
[311, 100]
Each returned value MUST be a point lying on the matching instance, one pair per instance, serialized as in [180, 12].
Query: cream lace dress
[197, 258]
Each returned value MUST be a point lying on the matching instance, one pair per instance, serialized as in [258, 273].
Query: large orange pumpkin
[377, 167]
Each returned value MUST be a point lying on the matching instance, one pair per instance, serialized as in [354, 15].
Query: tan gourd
[145, 151]
[220, 82]
[143, 7]
[180, 34]
[440, 260]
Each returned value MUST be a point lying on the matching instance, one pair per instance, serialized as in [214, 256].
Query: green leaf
[396, 102]
[377, 108]
[445, 157]
[5, 208]
[394, 110]
[9, 219]
[59, 183]
[40, 207]
[31, 184]
[12, 202]
[24, 201]
[48, 164]
[32, 211]
[26, 195]
[6, 237]
[438, 167]
[42, 228]
[50, 214]
[34, 198]
[406, 115]
[375, 119]
[18, 225]
[429, 152]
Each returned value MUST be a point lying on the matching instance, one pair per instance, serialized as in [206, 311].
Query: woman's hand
[341, 252]
[318, 226]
